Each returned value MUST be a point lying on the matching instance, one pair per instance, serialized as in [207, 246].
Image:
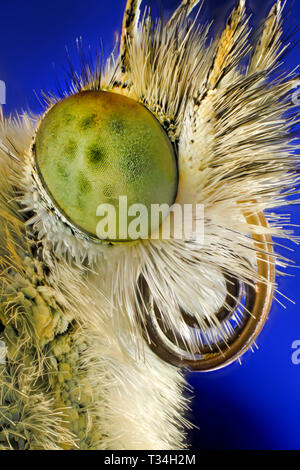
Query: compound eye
[95, 146]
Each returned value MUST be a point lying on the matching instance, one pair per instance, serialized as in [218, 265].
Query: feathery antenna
[269, 45]
[230, 46]
[130, 21]
[186, 5]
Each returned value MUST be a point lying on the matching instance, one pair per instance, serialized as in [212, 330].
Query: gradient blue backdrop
[253, 406]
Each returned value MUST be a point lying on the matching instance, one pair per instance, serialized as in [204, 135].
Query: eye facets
[93, 147]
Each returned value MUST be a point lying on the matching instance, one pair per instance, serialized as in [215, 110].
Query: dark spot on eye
[117, 126]
[63, 171]
[68, 117]
[108, 190]
[88, 122]
[83, 184]
[134, 166]
[70, 150]
[96, 154]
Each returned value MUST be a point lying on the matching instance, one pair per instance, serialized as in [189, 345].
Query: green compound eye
[93, 147]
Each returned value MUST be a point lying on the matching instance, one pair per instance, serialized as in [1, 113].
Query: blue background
[253, 406]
